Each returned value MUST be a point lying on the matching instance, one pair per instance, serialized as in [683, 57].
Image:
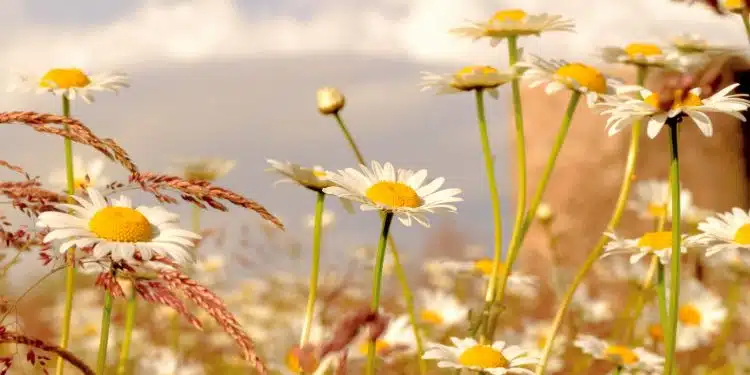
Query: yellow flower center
[121, 224]
[657, 209]
[200, 174]
[742, 235]
[476, 69]
[90, 330]
[642, 49]
[541, 341]
[656, 332]
[509, 15]
[393, 195]
[680, 99]
[689, 315]
[293, 362]
[431, 317]
[380, 347]
[584, 75]
[485, 266]
[483, 356]
[621, 354]
[64, 79]
[656, 240]
[735, 4]
[81, 183]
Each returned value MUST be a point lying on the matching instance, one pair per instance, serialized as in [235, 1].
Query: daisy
[84, 175]
[397, 340]
[401, 192]
[330, 100]
[693, 51]
[614, 270]
[514, 23]
[534, 337]
[592, 310]
[441, 310]
[652, 200]
[312, 178]
[469, 78]
[656, 243]
[625, 111]
[631, 359]
[639, 54]
[735, 6]
[700, 316]
[559, 75]
[495, 359]
[207, 169]
[729, 230]
[519, 283]
[70, 82]
[117, 231]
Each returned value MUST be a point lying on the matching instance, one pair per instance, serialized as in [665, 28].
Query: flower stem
[101, 358]
[314, 269]
[70, 271]
[662, 299]
[398, 267]
[674, 295]
[596, 252]
[377, 279]
[130, 313]
[746, 21]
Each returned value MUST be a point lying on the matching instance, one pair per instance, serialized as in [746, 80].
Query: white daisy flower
[640, 54]
[559, 75]
[70, 82]
[615, 270]
[514, 22]
[475, 77]
[533, 338]
[397, 340]
[631, 359]
[401, 192]
[210, 270]
[441, 310]
[326, 219]
[734, 259]
[84, 175]
[315, 178]
[208, 169]
[692, 51]
[653, 200]
[700, 316]
[519, 283]
[651, 243]
[495, 359]
[117, 231]
[729, 230]
[626, 110]
[592, 310]
[734, 6]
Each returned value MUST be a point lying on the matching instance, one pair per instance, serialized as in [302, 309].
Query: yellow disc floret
[509, 15]
[393, 195]
[431, 316]
[656, 240]
[64, 79]
[657, 209]
[621, 354]
[483, 356]
[642, 49]
[582, 75]
[689, 315]
[121, 224]
[742, 235]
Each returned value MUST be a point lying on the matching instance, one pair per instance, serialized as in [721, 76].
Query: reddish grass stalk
[12, 337]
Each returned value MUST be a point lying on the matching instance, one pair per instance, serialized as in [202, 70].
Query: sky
[237, 79]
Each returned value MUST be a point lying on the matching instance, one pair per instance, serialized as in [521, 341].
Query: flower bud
[330, 100]
[544, 213]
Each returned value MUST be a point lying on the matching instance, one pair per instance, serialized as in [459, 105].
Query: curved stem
[746, 21]
[130, 313]
[674, 295]
[377, 279]
[101, 358]
[314, 269]
[70, 271]
[398, 267]
[596, 252]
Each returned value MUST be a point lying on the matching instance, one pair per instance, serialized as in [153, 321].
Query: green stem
[674, 295]
[661, 290]
[746, 21]
[130, 313]
[596, 252]
[314, 269]
[398, 267]
[377, 279]
[195, 219]
[618, 370]
[734, 296]
[70, 271]
[101, 358]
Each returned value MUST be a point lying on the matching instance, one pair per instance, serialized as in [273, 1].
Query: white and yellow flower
[441, 310]
[315, 178]
[700, 315]
[650, 243]
[514, 23]
[690, 50]
[519, 283]
[734, 6]
[118, 231]
[592, 310]
[729, 230]
[631, 359]
[208, 169]
[534, 337]
[653, 200]
[70, 82]
[396, 341]
[559, 75]
[84, 175]
[401, 192]
[495, 359]
[626, 110]
[469, 78]
[639, 54]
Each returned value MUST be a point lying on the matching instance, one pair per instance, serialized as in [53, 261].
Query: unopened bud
[330, 100]
[544, 213]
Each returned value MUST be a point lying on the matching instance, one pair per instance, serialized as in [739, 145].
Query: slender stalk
[746, 21]
[101, 358]
[661, 292]
[130, 313]
[195, 219]
[377, 279]
[674, 295]
[70, 271]
[314, 269]
[618, 370]
[734, 295]
[596, 252]
[398, 267]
